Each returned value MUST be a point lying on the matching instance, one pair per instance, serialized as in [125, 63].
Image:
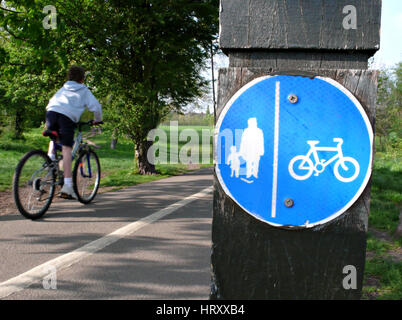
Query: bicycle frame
[77, 147]
[89, 169]
[36, 199]
[314, 151]
[77, 144]
[311, 162]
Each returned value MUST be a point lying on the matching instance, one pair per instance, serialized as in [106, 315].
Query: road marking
[37, 274]
[276, 147]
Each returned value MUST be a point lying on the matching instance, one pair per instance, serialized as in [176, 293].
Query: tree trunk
[113, 143]
[18, 125]
[145, 164]
[398, 231]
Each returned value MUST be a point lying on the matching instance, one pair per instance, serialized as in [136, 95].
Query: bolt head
[293, 98]
[289, 203]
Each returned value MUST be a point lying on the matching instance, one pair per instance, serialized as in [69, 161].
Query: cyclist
[63, 112]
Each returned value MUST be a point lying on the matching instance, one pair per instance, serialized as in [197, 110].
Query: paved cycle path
[167, 258]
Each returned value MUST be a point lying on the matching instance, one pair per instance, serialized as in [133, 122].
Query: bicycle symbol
[305, 166]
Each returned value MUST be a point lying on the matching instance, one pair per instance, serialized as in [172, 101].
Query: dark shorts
[63, 125]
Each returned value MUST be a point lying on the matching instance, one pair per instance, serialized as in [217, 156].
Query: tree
[31, 65]
[159, 49]
[389, 106]
[144, 54]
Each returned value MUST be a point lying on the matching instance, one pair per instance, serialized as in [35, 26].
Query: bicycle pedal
[66, 196]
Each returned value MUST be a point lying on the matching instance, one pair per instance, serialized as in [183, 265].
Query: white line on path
[37, 274]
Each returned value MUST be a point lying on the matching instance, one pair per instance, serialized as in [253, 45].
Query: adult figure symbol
[252, 147]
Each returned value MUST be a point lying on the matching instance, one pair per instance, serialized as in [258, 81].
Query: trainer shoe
[67, 192]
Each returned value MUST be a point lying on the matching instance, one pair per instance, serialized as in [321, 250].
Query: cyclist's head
[76, 73]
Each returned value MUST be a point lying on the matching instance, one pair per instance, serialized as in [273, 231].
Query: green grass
[386, 191]
[383, 274]
[118, 166]
[120, 171]
[11, 151]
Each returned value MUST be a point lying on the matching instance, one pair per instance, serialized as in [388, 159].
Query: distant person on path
[63, 112]
[252, 147]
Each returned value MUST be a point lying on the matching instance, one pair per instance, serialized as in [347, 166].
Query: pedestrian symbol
[285, 140]
[251, 150]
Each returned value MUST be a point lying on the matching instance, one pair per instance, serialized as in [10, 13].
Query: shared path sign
[293, 151]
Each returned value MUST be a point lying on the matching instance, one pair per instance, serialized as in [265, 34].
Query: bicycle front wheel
[34, 184]
[346, 169]
[86, 176]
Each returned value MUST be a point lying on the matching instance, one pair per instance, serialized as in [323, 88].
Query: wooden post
[251, 259]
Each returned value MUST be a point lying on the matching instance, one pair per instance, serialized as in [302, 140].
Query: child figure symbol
[234, 161]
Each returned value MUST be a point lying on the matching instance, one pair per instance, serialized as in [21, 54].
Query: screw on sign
[293, 151]
[293, 98]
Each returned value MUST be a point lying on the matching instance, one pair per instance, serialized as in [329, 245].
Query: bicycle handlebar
[89, 123]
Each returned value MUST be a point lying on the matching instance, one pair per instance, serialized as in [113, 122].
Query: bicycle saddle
[313, 142]
[51, 134]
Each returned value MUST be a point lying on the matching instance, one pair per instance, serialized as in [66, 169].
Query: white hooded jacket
[72, 99]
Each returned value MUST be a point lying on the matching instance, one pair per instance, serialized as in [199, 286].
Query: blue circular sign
[293, 151]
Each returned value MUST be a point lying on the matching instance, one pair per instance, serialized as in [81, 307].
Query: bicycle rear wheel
[299, 172]
[86, 176]
[34, 184]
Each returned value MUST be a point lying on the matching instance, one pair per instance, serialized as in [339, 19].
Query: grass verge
[118, 165]
[383, 270]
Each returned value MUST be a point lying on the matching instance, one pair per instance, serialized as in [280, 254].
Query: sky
[388, 56]
[390, 52]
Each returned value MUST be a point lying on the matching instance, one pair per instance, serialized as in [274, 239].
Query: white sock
[68, 181]
[52, 156]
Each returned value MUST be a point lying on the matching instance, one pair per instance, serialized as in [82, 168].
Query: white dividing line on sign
[36, 274]
[276, 148]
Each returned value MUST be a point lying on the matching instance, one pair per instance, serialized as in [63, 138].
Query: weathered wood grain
[361, 83]
[307, 24]
[252, 260]
[298, 60]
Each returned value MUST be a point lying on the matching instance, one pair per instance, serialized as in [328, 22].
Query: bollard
[289, 219]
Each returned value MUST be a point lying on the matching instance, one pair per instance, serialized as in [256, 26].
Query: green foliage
[118, 167]
[383, 273]
[190, 119]
[389, 109]
[29, 69]
[144, 57]
[386, 191]
[389, 274]
[160, 50]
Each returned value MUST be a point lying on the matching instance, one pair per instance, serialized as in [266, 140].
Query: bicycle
[37, 176]
[346, 163]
